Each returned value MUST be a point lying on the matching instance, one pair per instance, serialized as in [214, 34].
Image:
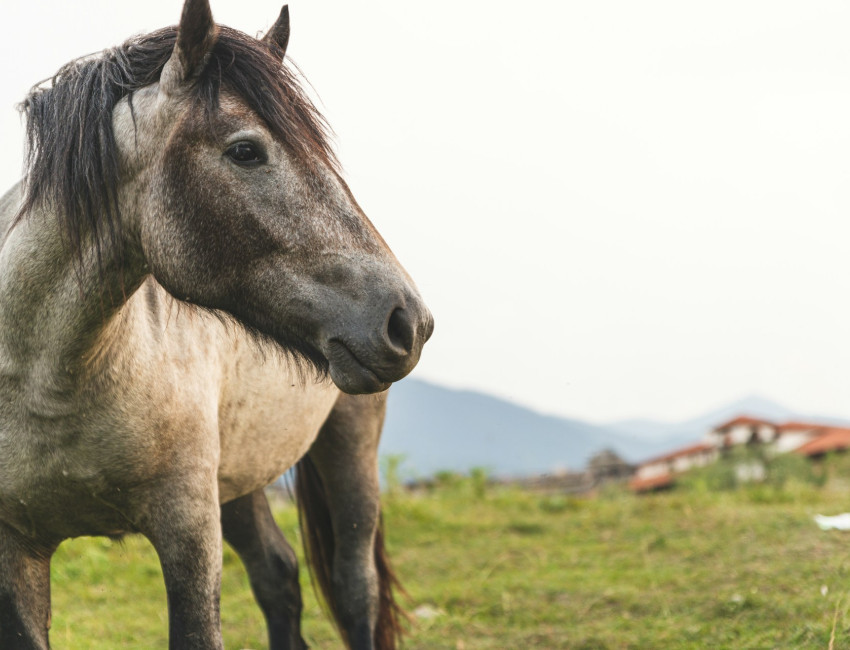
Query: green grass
[694, 568]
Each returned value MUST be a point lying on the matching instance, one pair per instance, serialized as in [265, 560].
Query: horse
[192, 302]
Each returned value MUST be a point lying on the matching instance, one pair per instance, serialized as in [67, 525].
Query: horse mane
[71, 164]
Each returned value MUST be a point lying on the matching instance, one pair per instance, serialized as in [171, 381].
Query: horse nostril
[429, 328]
[400, 331]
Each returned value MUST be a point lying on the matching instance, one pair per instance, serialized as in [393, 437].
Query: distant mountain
[652, 430]
[438, 428]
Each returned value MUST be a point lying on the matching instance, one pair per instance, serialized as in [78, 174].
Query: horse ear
[196, 36]
[279, 33]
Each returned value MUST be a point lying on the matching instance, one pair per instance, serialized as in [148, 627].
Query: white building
[742, 431]
[660, 472]
[802, 437]
[793, 435]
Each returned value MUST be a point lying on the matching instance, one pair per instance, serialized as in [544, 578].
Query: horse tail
[389, 629]
[317, 534]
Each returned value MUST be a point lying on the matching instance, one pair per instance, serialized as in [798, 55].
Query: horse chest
[263, 434]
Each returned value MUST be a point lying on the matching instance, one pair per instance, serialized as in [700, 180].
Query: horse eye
[245, 154]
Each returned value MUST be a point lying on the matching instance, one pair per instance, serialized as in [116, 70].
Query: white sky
[613, 208]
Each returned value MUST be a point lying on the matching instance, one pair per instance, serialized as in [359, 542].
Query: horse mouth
[349, 373]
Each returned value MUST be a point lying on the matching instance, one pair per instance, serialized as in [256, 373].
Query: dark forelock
[72, 161]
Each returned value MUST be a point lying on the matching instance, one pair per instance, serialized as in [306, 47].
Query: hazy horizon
[752, 404]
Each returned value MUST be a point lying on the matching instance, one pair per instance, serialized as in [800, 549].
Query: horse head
[235, 201]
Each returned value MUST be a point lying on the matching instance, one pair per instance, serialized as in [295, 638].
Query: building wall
[740, 434]
[767, 433]
[790, 440]
[653, 470]
[678, 464]
[706, 458]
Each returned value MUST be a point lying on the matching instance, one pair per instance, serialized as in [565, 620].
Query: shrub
[785, 468]
[480, 479]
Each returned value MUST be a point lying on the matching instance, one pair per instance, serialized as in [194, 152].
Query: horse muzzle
[369, 360]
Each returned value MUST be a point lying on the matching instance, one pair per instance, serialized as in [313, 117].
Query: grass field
[699, 567]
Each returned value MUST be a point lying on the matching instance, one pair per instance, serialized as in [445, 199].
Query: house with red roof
[660, 472]
[828, 440]
[805, 438]
[743, 430]
[793, 435]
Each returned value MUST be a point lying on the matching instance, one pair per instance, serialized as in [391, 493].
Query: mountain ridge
[676, 433]
[436, 428]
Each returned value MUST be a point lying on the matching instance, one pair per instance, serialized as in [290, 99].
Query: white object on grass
[838, 522]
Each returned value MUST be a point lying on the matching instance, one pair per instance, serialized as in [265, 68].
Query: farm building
[829, 439]
[742, 431]
[780, 438]
[660, 472]
[793, 435]
[803, 438]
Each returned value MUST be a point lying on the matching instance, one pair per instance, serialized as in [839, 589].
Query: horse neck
[53, 307]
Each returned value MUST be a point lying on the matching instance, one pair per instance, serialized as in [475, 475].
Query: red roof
[833, 439]
[652, 483]
[743, 419]
[799, 426]
[678, 453]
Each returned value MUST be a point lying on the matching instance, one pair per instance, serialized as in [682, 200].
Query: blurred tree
[608, 466]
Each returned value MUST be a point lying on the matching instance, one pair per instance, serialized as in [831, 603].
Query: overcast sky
[614, 209]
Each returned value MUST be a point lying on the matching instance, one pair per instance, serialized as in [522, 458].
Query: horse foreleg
[344, 525]
[184, 527]
[24, 592]
[272, 566]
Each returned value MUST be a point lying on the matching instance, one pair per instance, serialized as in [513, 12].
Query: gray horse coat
[191, 302]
